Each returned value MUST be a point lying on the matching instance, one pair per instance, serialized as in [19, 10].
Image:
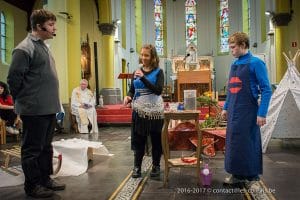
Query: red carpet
[114, 114]
[118, 114]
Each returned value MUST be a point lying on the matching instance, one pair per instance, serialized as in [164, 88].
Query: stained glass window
[3, 37]
[223, 26]
[159, 28]
[190, 22]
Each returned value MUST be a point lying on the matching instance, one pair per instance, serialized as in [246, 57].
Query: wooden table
[180, 115]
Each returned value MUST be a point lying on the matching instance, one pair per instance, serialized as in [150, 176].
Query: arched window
[3, 37]
[190, 23]
[159, 27]
[223, 26]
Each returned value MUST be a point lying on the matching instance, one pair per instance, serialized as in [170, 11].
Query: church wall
[88, 26]
[296, 27]
[58, 47]
[130, 53]
[19, 32]
[120, 53]
[207, 33]
[293, 32]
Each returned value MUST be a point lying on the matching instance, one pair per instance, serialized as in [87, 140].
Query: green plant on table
[214, 119]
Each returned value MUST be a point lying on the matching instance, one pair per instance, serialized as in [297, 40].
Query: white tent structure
[283, 118]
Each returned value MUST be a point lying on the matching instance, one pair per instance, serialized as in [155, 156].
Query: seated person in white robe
[83, 107]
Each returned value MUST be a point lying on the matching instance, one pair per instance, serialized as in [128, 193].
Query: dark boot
[39, 192]
[138, 158]
[136, 172]
[156, 155]
[155, 172]
[54, 185]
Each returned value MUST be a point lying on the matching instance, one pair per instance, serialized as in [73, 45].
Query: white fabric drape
[284, 110]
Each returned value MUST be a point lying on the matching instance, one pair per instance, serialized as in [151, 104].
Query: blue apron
[243, 153]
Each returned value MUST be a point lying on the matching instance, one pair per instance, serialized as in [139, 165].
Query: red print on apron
[236, 84]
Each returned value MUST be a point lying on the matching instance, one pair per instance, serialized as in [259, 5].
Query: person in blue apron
[147, 104]
[248, 79]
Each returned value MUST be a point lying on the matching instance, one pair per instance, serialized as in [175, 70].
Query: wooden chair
[72, 118]
[2, 132]
[167, 93]
[15, 152]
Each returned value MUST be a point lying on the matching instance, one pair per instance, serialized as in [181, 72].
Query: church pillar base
[111, 96]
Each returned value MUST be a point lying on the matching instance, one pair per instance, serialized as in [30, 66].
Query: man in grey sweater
[33, 83]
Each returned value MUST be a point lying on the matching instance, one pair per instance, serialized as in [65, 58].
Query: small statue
[101, 101]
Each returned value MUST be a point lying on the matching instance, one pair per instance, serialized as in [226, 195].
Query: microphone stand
[215, 82]
[129, 82]
[184, 59]
[166, 72]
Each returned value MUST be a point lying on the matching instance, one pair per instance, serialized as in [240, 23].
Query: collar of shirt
[34, 38]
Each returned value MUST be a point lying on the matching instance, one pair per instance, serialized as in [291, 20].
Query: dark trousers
[139, 142]
[9, 116]
[36, 151]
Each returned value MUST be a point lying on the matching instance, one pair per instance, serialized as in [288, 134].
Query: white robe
[84, 115]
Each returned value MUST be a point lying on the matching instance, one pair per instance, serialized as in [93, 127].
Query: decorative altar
[191, 74]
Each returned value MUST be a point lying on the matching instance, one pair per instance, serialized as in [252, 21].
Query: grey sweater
[32, 78]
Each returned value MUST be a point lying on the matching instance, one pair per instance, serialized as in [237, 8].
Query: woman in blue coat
[248, 79]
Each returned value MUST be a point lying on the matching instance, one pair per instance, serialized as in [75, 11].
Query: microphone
[187, 55]
[137, 77]
[44, 29]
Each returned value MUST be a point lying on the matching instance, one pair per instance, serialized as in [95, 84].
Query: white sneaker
[231, 180]
[16, 131]
[10, 129]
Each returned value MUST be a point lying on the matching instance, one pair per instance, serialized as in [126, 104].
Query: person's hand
[85, 106]
[127, 100]
[138, 73]
[260, 121]
[224, 114]
[88, 105]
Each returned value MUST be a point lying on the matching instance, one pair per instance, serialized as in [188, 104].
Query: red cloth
[8, 101]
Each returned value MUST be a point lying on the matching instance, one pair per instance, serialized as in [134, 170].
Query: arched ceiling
[25, 5]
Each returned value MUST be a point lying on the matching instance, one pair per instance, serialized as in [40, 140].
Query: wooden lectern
[193, 80]
[125, 76]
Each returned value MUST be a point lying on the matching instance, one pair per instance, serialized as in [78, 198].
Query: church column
[107, 50]
[282, 6]
[138, 25]
[111, 95]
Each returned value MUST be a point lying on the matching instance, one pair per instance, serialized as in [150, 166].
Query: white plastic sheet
[74, 155]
